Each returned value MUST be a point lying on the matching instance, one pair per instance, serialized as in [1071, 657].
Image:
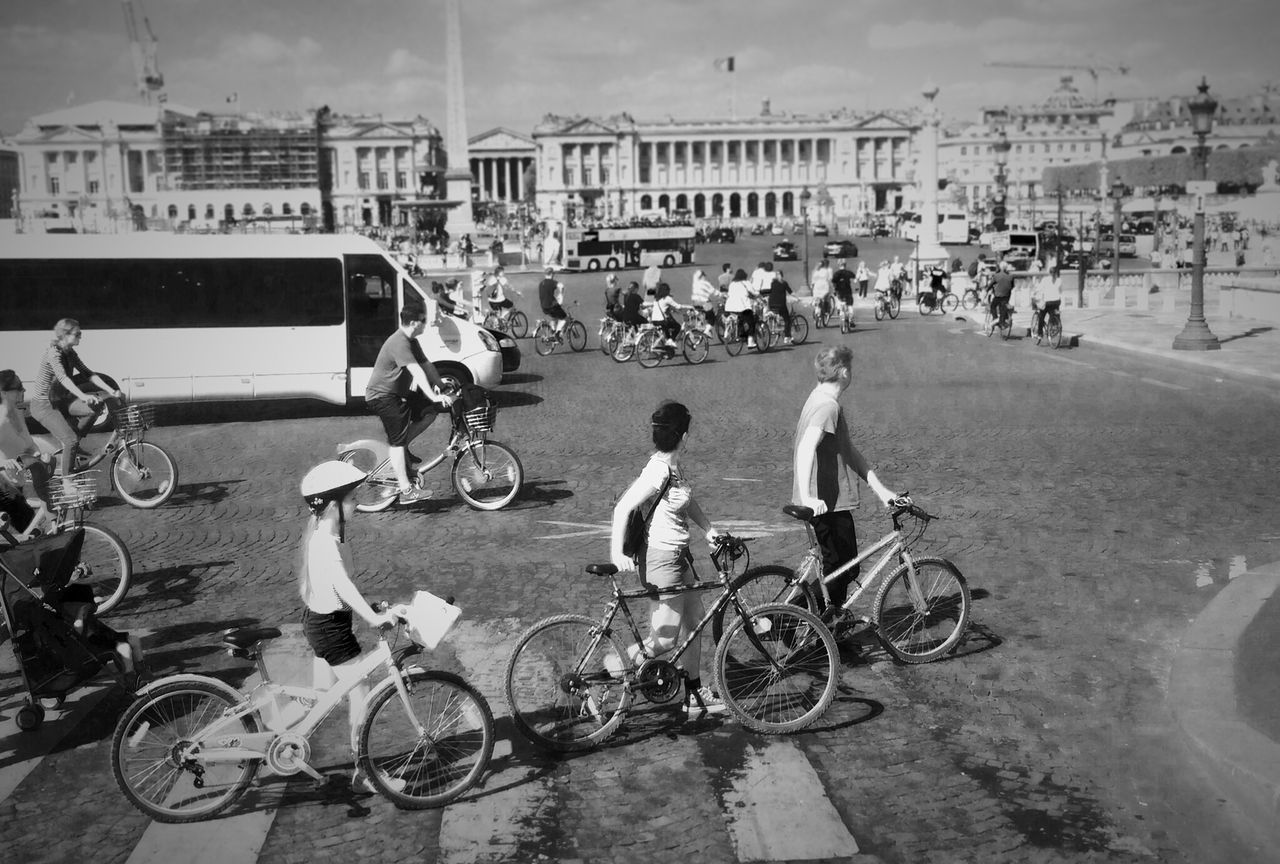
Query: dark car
[880, 229]
[841, 249]
[722, 235]
[510, 350]
[785, 250]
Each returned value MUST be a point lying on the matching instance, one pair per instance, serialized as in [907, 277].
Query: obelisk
[457, 177]
[928, 250]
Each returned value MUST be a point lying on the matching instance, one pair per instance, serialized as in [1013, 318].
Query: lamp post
[1196, 336]
[1117, 196]
[998, 211]
[805, 195]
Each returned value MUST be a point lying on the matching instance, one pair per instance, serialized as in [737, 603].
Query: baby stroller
[58, 640]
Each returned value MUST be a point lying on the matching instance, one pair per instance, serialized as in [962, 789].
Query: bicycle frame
[460, 438]
[892, 543]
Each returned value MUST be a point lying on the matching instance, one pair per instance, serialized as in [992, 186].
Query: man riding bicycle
[550, 297]
[1046, 297]
[499, 302]
[842, 285]
[1001, 291]
[939, 283]
[402, 383]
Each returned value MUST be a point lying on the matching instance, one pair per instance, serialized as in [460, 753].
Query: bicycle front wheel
[487, 475]
[624, 346]
[764, 337]
[799, 329]
[647, 350]
[144, 474]
[149, 758]
[880, 310]
[380, 488]
[105, 566]
[970, 300]
[1054, 327]
[563, 696]
[760, 586]
[949, 302]
[430, 766]
[697, 346]
[895, 306]
[544, 340]
[733, 341]
[777, 669]
[577, 334]
[1006, 326]
[518, 324]
[922, 611]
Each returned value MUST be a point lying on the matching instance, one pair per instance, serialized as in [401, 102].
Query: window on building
[587, 175]
[363, 180]
[402, 180]
[55, 185]
[1046, 148]
[568, 177]
[964, 151]
[248, 211]
[208, 211]
[286, 209]
[173, 211]
[93, 187]
[1087, 146]
[267, 210]
[604, 175]
[1017, 148]
[382, 180]
[191, 212]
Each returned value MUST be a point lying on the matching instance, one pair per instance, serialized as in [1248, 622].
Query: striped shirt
[57, 364]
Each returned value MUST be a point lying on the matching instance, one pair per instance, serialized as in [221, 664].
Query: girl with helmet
[329, 594]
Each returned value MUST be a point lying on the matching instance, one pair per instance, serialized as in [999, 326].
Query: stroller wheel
[29, 717]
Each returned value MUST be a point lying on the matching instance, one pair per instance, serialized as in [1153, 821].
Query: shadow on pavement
[1253, 332]
[168, 587]
[186, 493]
[517, 378]
[513, 398]
[540, 493]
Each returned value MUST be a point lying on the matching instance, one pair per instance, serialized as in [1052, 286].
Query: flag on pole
[233, 98]
[724, 64]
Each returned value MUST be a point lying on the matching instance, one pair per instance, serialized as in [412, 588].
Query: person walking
[826, 467]
[862, 276]
[665, 561]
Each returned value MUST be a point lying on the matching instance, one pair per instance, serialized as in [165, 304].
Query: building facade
[1162, 127]
[753, 168]
[500, 159]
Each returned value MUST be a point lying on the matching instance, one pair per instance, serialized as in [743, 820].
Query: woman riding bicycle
[705, 298]
[665, 561]
[662, 313]
[740, 302]
[329, 594]
[19, 454]
[1045, 297]
[56, 400]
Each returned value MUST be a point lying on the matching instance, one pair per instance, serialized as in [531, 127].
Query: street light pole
[1196, 335]
[1117, 196]
[804, 210]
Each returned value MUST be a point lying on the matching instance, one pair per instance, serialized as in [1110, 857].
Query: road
[1094, 500]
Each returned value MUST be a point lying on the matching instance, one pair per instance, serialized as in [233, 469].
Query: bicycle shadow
[178, 584]
[514, 378]
[515, 398]
[185, 495]
[540, 493]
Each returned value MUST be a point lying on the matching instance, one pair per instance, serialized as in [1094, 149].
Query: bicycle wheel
[577, 335]
[696, 346]
[518, 324]
[105, 566]
[765, 585]
[1006, 325]
[607, 333]
[881, 310]
[544, 340]
[561, 695]
[648, 352]
[921, 615]
[733, 341]
[144, 474]
[492, 321]
[147, 756]
[989, 324]
[895, 306]
[430, 758]
[624, 346]
[1054, 327]
[949, 302]
[971, 299]
[922, 305]
[777, 670]
[487, 475]
[799, 329]
[380, 489]
[764, 337]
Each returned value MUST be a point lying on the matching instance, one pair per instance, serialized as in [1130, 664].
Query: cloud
[237, 50]
[403, 62]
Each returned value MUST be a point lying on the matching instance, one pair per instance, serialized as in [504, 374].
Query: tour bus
[615, 248]
[953, 227]
[201, 317]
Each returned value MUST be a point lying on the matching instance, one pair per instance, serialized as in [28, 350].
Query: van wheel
[454, 377]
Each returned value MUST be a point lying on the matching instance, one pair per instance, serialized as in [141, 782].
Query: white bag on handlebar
[430, 619]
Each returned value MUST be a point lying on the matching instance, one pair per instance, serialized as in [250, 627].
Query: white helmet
[330, 481]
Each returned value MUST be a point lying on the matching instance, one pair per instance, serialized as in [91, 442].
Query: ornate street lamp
[805, 195]
[1117, 196]
[1196, 336]
[1001, 148]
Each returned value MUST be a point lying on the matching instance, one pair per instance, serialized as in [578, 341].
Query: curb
[1189, 358]
[1242, 763]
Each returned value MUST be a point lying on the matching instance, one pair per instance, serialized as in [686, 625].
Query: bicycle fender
[203, 679]
[379, 448]
[389, 682]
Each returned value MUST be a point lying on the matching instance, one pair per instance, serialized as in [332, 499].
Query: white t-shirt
[660, 309]
[326, 560]
[669, 528]
[739, 297]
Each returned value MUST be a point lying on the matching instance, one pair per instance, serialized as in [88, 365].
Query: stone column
[928, 249]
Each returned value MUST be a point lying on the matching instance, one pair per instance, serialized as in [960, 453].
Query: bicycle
[822, 310]
[799, 325]
[189, 746]
[1003, 322]
[886, 304]
[920, 611]
[569, 687]
[486, 474]
[610, 329]
[514, 322]
[692, 341]
[927, 302]
[105, 564]
[1050, 329]
[623, 340]
[545, 339]
[731, 337]
[142, 472]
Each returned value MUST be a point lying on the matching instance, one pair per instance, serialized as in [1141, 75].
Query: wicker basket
[481, 419]
[137, 417]
[81, 490]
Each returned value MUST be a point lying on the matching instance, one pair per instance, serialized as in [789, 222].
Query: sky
[523, 59]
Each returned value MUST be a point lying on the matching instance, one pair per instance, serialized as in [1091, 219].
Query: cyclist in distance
[400, 387]
[705, 298]
[739, 300]
[827, 466]
[779, 291]
[499, 286]
[842, 283]
[550, 296]
[1001, 291]
[662, 313]
[632, 303]
[666, 560]
[939, 283]
[329, 593]
[1045, 297]
[612, 296]
[58, 403]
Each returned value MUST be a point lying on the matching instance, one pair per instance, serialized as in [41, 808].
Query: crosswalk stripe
[24, 750]
[777, 809]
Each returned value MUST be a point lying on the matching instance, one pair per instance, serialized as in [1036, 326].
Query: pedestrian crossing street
[663, 783]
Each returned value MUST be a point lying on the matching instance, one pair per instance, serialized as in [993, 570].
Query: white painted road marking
[24, 750]
[1164, 384]
[777, 809]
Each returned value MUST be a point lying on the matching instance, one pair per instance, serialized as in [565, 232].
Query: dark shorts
[503, 304]
[556, 312]
[398, 413]
[330, 635]
[845, 295]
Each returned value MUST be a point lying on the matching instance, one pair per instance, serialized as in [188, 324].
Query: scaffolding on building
[236, 152]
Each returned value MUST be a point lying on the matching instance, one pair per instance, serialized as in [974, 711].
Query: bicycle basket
[80, 490]
[429, 619]
[480, 419]
[137, 417]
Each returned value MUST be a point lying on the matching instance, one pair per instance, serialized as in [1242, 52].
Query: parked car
[1128, 245]
[785, 250]
[820, 230]
[841, 249]
[757, 230]
[722, 235]
[776, 230]
[880, 229]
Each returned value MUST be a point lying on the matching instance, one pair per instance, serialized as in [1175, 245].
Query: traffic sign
[1000, 241]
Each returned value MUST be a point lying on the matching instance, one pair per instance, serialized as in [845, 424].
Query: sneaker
[751, 343]
[414, 494]
[786, 340]
[710, 699]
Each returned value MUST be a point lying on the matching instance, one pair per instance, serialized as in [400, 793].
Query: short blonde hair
[830, 361]
[63, 328]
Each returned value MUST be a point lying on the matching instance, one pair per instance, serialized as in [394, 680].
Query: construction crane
[1093, 70]
[146, 71]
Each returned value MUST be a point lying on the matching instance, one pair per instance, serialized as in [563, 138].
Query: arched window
[699, 205]
[191, 212]
[664, 202]
[646, 202]
[266, 209]
[248, 211]
[788, 204]
[229, 213]
[717, 204]
[753, 204]
[209, 211]
[305, 209]
[1178, 149]
[770, 205]
[682, 202]
[286, 209]
[735, 205]
[173, 211]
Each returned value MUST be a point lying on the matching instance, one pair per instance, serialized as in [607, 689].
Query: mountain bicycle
[189, 746]
[570, 681]
[921, 608]
[105, 564]
[886, 304]
[692, 340]
[485, 474]
[1050, 329]
[545, 339]
[142, 472]
[514, 322]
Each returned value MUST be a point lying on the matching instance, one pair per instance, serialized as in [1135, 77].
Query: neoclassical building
[499, 160]
[753, 168]
[1162, 127]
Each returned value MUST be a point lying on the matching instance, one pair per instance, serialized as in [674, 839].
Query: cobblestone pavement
[1094, 501]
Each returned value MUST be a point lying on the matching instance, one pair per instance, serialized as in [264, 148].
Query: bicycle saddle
[601, 569]
[795, 511]
[246, 637]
